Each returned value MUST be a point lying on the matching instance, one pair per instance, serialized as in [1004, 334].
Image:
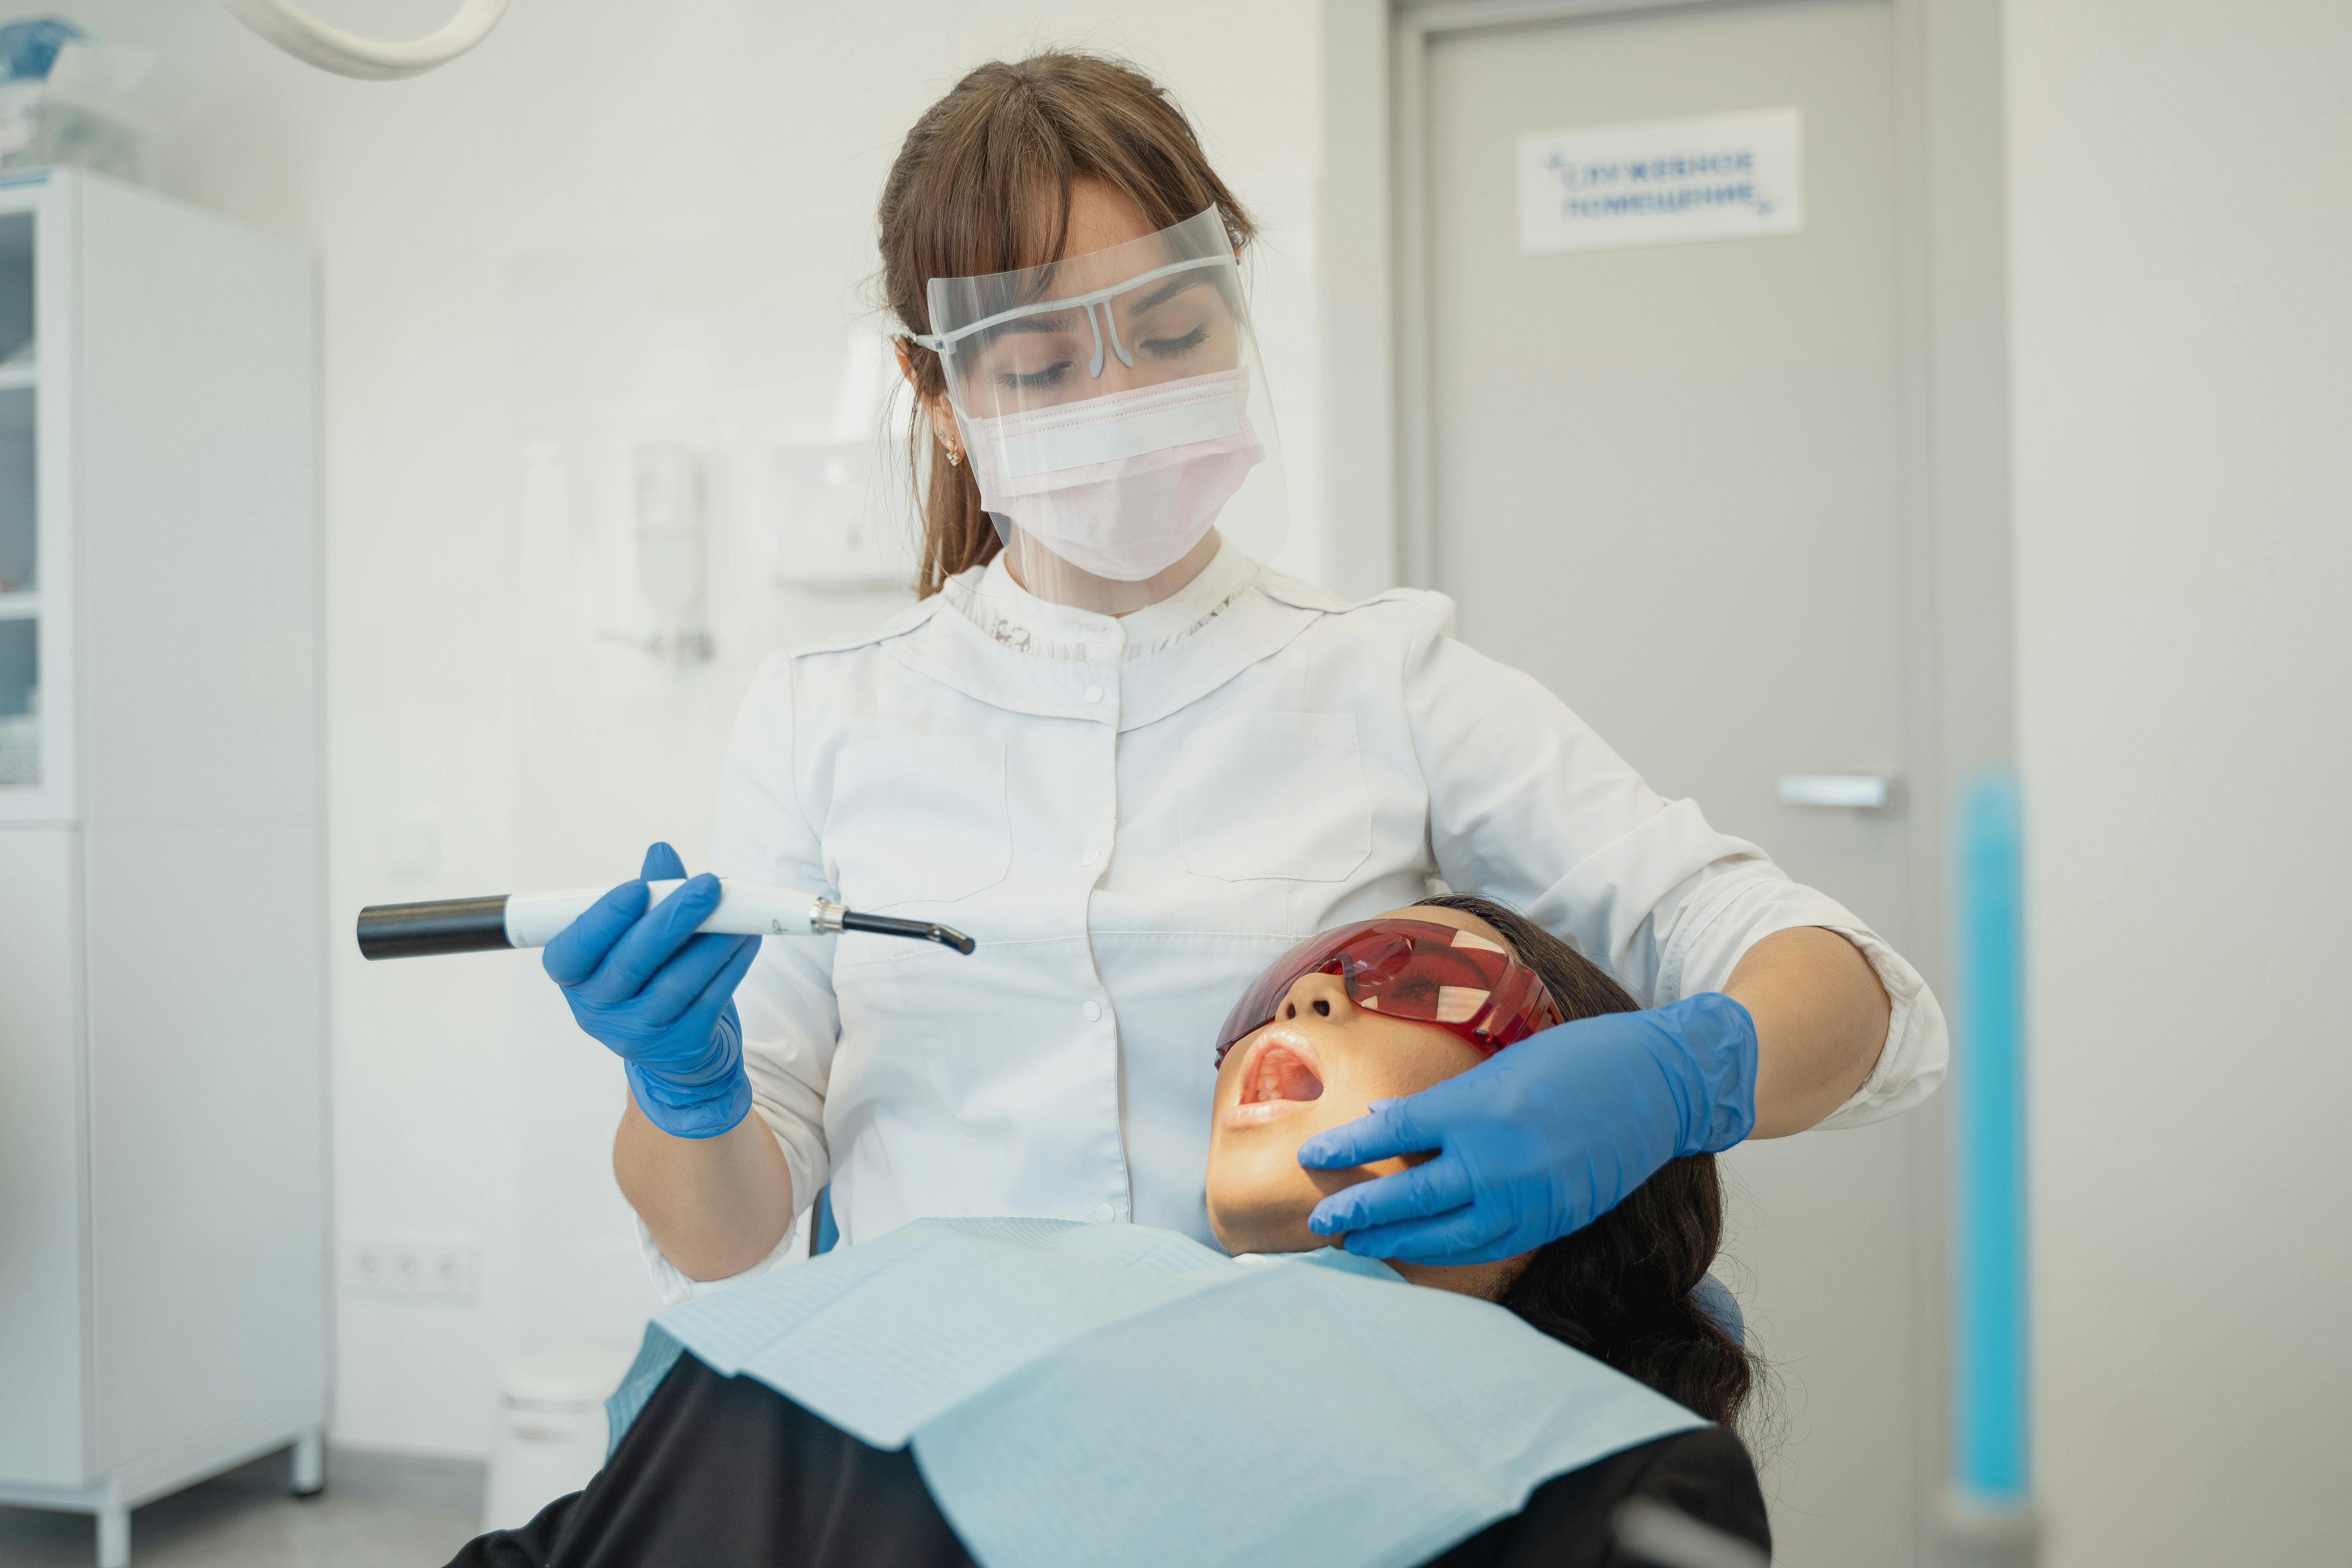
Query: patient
[1620, 1290]
[721, 1469]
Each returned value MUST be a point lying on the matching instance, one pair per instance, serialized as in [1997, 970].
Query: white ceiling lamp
[306, 38]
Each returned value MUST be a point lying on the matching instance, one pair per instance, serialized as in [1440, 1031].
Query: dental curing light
[531, 920]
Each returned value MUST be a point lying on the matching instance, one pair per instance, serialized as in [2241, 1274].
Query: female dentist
[1136, 765]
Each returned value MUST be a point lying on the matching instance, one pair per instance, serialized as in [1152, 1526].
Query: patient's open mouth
[1278, 1079]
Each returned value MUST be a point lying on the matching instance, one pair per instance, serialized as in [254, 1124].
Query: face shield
[1113, 409]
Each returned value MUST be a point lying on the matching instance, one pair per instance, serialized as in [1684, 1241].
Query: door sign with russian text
[1607, 186]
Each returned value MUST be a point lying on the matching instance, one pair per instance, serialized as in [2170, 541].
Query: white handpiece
[745, 908]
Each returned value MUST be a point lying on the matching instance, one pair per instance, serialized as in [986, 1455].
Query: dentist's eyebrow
[1063, 323]
[1167, 292]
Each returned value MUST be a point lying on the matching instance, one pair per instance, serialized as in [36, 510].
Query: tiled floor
[371, 1515]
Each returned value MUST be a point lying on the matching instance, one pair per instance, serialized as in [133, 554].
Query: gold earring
[955, 456]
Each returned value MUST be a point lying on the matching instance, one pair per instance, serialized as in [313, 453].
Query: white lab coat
[1133, 817]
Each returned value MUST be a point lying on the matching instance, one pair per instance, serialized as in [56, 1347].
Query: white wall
[2181, 211]
[616, 220]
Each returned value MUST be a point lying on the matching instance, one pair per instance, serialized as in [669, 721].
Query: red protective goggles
[1419, 970]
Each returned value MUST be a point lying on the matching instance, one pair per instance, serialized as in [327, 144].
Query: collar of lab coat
[987, 637]
[990, 598]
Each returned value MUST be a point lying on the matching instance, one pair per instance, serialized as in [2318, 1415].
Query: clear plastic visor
[1116, 414]
[1152, 310]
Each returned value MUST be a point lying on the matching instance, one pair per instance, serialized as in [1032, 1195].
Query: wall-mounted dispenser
[836, 512]
[658, 554]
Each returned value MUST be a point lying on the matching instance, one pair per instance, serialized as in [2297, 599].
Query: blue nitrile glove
[1544, 1137]
[662, 997]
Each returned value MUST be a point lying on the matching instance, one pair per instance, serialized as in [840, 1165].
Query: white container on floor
[551, 1431]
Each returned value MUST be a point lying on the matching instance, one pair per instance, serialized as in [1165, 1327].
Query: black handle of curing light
[443, 925]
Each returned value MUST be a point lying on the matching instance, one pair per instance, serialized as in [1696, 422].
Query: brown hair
[1620, 1288]
[983, 184]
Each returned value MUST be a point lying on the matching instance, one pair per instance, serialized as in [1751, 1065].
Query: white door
[1667, 479]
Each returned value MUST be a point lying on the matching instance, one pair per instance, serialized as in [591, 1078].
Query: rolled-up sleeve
[1529, 805]
[791, 1020]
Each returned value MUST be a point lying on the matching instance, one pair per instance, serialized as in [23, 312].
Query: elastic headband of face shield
[1115, 411]
[1423, 970]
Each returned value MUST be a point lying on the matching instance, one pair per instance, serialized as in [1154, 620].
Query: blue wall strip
[1990, 1410]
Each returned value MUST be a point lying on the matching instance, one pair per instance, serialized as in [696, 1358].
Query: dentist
[1138, 764]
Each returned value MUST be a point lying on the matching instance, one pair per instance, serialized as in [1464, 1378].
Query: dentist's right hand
[662, 997]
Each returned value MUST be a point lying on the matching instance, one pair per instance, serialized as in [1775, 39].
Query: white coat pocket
[917, 819]
[1276, 794]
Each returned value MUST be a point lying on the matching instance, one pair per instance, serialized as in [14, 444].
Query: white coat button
[1094, 693]
[1093, 856]
[1094, 1010]
[1102, 1213]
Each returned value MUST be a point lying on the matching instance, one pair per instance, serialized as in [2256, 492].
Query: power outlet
[414, 1267]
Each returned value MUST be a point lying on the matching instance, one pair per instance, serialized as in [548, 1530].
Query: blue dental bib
[1079, 1393]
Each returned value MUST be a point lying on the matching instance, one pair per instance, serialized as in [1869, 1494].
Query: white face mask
[1124, 485]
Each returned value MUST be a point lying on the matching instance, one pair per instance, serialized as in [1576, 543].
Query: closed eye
[1414, 987]
[1173, 348]
[1031, 380]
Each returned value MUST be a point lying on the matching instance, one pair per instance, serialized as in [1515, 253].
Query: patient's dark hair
[1620, 1290]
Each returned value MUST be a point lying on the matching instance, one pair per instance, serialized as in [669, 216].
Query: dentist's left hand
[1544, 1137]
[662, 997]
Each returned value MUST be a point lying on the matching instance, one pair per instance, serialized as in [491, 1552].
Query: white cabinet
[162, 1038]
